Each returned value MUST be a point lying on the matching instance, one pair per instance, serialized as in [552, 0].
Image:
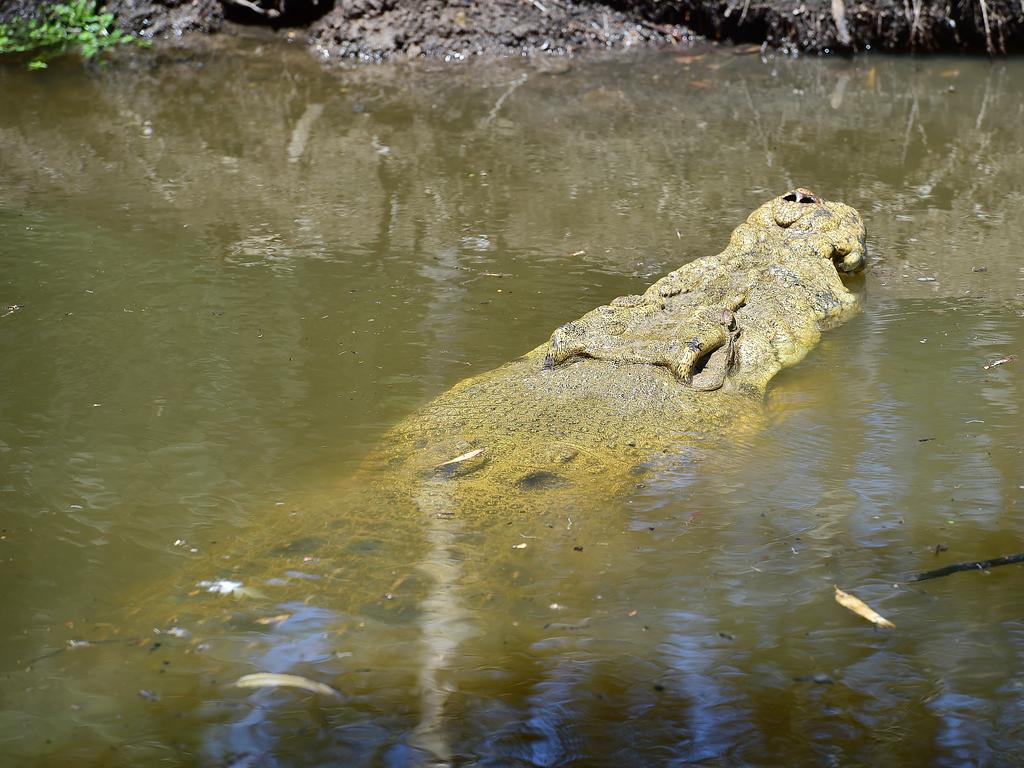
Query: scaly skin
[690, 357]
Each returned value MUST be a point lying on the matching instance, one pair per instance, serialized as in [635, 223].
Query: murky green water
[224, 274]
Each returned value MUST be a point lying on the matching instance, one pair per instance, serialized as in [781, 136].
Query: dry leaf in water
[272, 680]
[463, 457]
[862, 609]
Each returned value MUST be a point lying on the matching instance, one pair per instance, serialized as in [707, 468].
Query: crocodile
[628, 381]
[385, 559]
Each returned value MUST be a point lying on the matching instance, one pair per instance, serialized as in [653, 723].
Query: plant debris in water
[862, 609]
[273, 680]
[970, 565]
[1000, 361]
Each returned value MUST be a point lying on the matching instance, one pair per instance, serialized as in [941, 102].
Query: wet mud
[379, 30]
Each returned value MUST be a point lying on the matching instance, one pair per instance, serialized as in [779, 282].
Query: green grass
[76, 26]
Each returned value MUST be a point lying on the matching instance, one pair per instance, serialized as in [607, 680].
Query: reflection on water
[224, 275]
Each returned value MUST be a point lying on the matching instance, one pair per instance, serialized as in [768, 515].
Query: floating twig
[1000, 361]
[71, 645]
[970, 565]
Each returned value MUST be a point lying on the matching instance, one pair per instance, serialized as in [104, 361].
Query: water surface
[225, 272]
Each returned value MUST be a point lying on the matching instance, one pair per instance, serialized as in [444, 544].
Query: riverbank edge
[380, 30]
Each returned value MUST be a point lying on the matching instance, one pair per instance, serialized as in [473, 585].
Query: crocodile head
[754, 308]
[830, 230]
[794, 250]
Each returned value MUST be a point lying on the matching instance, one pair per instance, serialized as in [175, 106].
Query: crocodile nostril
[807, 199]
[790, 198]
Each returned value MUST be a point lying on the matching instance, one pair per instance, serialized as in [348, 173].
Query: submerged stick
[970, 565]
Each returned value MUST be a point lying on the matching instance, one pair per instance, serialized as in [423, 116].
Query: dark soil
[819, 26]
[374, 30]
[166, 18]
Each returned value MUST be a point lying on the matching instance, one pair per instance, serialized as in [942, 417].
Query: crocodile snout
[801, 196]
[852, 260]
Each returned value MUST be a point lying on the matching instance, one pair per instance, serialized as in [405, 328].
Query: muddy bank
[376, 30]
[821, 26]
